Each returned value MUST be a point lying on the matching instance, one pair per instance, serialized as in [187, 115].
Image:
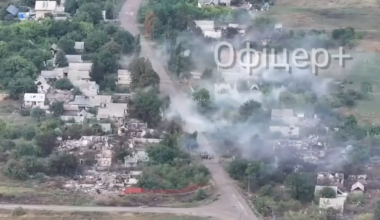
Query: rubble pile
[101, 182]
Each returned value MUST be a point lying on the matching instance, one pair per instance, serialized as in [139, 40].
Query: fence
[133, 190]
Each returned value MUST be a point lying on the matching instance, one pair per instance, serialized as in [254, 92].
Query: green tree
[38, 113]
[66, 44]
[32, 165]
[109, 61]
[61, 60]
[161, 154]
[28, 133]
[237, 169]
[63, 164]
[202, 97]
[137, 46]
[112, 47]
[95, 40]
[16, 67]
[126, 40]
[90, 12]
[97, 71]
[57, 108]
[248, 109]
[20, 86]
[25, 149]
[15, 170]
[146, 106]
[300, 186]
[37, 56]
[142, 74]
[47, 141]
[64, 84]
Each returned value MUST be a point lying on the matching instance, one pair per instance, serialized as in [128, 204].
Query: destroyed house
[330, 179]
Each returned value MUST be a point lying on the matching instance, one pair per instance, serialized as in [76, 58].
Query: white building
[213, 2]
[80, 66]
[34, 100]
[43, 7]
[208, 28]
[124, 77]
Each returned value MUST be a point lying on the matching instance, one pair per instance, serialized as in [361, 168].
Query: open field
[331, 14]
[328, 14]
[38, 215]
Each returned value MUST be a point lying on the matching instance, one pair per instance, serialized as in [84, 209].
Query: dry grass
[329, 14]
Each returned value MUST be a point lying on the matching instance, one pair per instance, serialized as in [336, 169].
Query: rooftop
[56, 73]
[79, 45]
[78, 74]
[80, 66]
[45, 5]
[282, 113]
[74, 58]
[113, 110]
[34, 97]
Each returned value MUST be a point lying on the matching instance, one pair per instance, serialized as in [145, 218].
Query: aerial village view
[189, 109]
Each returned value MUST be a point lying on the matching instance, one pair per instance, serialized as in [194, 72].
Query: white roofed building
[34, 100]
[79, 47]
[74, 58]
[208, 28]
[43, 7]
[79, 75]
[80, 66]
[124, 78]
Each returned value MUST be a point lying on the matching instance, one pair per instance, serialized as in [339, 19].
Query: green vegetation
[170, 167]
[24, 46]
[167, 18]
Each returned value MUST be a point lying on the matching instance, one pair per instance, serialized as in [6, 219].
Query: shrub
[24, 112]
[28, 133]
[12, 133]
[327, 192]
[200, 195]
[18, 212]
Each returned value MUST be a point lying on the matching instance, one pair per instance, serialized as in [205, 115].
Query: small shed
[357, 188]
[13, 10]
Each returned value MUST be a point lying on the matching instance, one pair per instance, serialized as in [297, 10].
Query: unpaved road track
[230, 205]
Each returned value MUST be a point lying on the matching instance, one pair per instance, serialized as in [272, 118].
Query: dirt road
[231, 205]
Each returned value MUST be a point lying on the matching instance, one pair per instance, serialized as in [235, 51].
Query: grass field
[363, 15]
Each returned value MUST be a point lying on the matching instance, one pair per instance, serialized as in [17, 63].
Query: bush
[7, 144]
[200, 195]
[355, 199]
[18, 212]
[28, 133]
[264, 205]
[327, 192]
[266, 190]
[12, 133]
[24, 112]
[63, 84]
[15, 170]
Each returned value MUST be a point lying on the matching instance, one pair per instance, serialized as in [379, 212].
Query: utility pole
[113, 10]
[249, 181]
